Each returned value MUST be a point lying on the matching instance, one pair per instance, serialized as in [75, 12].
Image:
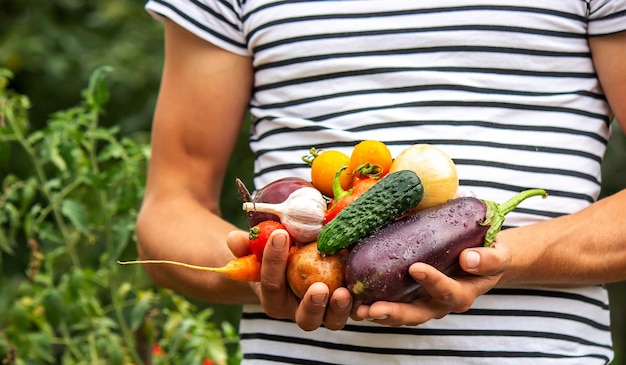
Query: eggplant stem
[509, 205]
[496, 212]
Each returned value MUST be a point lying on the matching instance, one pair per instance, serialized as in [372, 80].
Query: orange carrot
[244, 268]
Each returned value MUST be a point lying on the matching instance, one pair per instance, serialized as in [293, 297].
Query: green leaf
[53, 305]
[75, 212]
[122, 231]
[41, 346]
[6, 245]
[140, 309]
[56, 158]
[114, 352]
[14, 218]
[19, 316]
[123, 290]
[5, 76]
[29, 192]
[97, 93]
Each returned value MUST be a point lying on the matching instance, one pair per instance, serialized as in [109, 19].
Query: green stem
[313, 153]
[67, 341]
[494, 218]
[43, 180]
[60, 197]
[367, 170]
[338, 191]
[127, 334]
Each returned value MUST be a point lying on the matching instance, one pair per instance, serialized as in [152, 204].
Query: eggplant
[377, 268]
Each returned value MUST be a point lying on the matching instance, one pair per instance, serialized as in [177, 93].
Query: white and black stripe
[507, 89]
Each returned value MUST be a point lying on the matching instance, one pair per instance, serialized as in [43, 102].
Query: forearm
[181, 229]
[585, 248]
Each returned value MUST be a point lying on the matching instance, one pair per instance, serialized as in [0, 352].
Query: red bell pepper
[342, 198]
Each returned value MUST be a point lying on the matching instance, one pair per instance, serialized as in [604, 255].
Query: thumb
[237, 242]
[486, 260]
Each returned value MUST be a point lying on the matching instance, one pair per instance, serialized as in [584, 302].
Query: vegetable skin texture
[245, 268]
[344, 198]
[302, 213]
[390, 198]
[260, 234]
[306, 266]
[436, 170]
[371, 152]
[323, 166]
[378, 266]
[275, 192]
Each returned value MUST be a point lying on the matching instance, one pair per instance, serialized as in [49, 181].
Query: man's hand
[318, 306]
[442, 294]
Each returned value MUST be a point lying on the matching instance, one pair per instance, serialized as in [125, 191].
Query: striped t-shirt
[506, 88]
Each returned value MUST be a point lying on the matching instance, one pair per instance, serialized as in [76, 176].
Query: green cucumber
[394, 195]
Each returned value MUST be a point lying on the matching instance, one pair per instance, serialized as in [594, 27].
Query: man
[519, 97]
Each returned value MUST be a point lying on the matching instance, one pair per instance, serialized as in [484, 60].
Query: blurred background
[76, 111]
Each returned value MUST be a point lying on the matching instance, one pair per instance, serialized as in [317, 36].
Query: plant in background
[66, 222]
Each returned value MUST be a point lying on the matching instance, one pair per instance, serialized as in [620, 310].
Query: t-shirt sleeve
[216, 21]
[606, 17]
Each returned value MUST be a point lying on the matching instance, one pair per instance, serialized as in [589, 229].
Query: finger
[310, 313]
[404, 314]
[338, 310]
[359, 311]
[277, 299]
[237, 242]
[445, 294]
[486, 260]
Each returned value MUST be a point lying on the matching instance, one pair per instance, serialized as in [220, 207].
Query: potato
[306, 266]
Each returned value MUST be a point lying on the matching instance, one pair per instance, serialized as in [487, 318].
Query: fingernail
[343, 303]
[420, 275]
[279, 241]
[318, 298]
[472, 259]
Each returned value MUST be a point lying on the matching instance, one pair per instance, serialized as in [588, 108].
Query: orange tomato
[374, 152]
[324, 166]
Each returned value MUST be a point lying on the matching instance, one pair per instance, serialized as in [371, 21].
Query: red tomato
[259, 234]
[157, 350]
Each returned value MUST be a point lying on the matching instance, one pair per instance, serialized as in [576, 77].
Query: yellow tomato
[435, 169]
[324, 166]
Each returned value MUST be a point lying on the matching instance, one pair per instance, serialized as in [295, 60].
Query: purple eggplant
[378, 266]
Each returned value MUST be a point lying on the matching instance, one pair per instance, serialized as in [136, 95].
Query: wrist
[523, 257]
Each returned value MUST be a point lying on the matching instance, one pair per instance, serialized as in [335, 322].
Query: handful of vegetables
[363, 219]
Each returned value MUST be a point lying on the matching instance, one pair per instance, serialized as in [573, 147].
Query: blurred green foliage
[53, 48]
[71, 303]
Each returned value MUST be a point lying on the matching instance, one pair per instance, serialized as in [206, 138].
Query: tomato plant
[64, 221]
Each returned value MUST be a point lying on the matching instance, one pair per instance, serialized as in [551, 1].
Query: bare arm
[585, 248]
[588, 247]
[203, 98]
[202, 102]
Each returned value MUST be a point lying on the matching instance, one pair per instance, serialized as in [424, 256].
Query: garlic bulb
[302, 213]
